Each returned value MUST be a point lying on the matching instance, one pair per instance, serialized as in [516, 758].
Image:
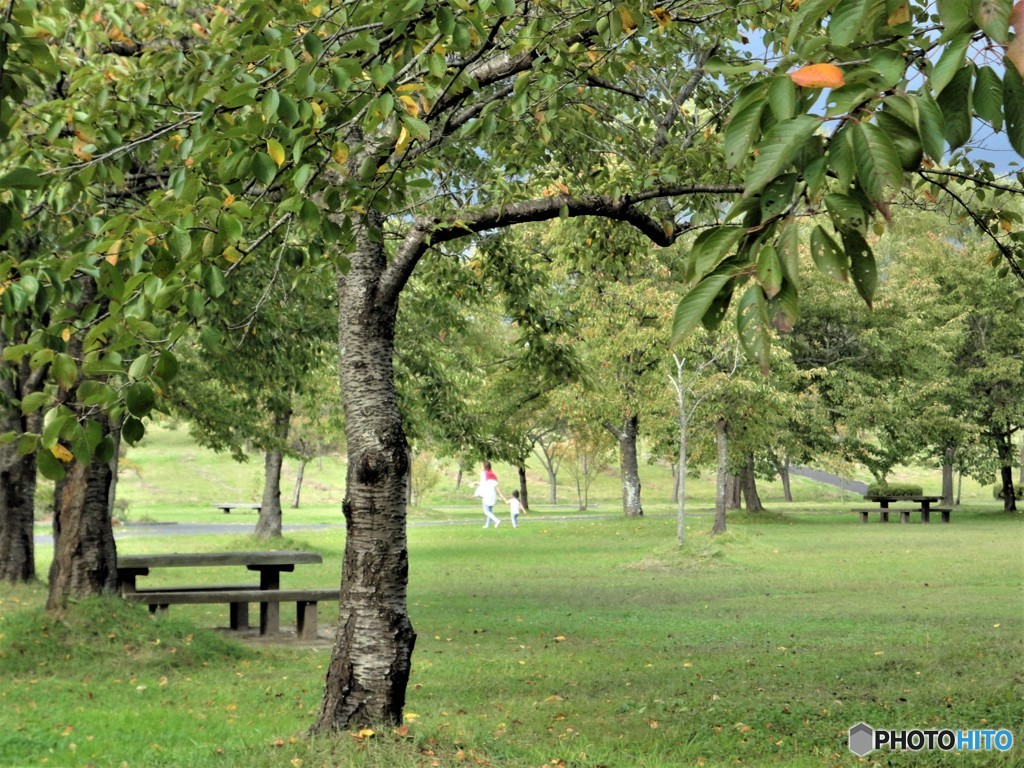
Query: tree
[374, 135]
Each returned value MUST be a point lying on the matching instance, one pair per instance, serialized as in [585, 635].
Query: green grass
[580, 643]
[569, 642]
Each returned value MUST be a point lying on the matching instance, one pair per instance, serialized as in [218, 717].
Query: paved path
[827, 477]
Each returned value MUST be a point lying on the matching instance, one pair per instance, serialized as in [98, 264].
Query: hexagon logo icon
[862, 739]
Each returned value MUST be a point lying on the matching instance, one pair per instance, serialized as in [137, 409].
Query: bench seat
[238, 599]
[864, 512]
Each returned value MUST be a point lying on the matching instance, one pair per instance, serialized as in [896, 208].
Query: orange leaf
[1017, 17]
[818, 76]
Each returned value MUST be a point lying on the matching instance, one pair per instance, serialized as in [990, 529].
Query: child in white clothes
[514, 508]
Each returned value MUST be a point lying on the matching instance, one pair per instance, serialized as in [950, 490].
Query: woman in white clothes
[487, 490]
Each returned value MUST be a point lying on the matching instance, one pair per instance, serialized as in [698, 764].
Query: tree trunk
[782, 467]
[269, 524]
[458, 478]
[303, 461]
[524, 497]
[1004, 448]
[748, 486]
[17, 472]
[84, 553]
[948, 460]
[733, 497]
[630, 466]
[370, 664]
[722, 480]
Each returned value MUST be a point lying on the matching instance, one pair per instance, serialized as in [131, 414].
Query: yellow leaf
[900, 16]
[113, 252]
[340, 153]
[228, 201]
[231, 254]
[663, 17]
[365, 733]
[276, 152]
[403, 140]
[818, 76]
[66, 334]
[626, 18]
[410, 105]
[316, 11]
[62, 453]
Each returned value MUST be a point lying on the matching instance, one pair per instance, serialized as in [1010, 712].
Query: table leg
[270, 613]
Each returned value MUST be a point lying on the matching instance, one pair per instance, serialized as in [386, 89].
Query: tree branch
[429, 231]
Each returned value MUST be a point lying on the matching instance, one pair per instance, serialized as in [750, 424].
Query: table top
[199, 559]
[903, 498]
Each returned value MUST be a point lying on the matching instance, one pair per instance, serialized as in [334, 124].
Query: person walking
[487, 491]
[515, 507]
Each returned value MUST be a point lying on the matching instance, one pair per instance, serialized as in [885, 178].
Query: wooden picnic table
[228, 506]
[269, 564]
[923, 505]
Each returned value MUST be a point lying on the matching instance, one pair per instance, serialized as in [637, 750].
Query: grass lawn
[568, 643]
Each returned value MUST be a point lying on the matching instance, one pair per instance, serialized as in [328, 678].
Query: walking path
[821, 476]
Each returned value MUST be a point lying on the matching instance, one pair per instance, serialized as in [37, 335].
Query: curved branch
[429, 231]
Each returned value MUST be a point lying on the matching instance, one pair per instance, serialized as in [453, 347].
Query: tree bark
[84, 552]
[630, 466]
[298, 482]
[370, 663]
[722, 480]
[17, 472]
[782, 467]
[948, 460]
[733, 496]
[748, 486]
[524, 496]
[1004, 448]
[269, 524]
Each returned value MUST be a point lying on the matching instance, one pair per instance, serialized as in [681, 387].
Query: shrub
[894, 489]
[997, 491]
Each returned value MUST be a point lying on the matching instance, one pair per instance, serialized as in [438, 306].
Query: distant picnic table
[268, 593]
[228, 506]
[923, 505]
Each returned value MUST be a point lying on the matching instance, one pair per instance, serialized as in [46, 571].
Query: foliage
[998, 492]
[894, 489]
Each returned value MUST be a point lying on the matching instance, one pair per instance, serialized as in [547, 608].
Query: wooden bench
[238, 599]
[226, 508]
[944, 511]
[884, 512]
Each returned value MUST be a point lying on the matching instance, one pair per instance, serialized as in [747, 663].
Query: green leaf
[1013, 106]
[905, 139]
[846, 212]
[50, 466]
[782, 97]
[878, 165]
[34, 401]
[950, 62]
[778, 148]
[695, 304]
[848, 21]
[166, 366]
[743, 128]
[712, 246]
[862, 265]
[993, 16]
[263, 168]
[828, 257]
[988, 97]
[769, 270]
[214, 280]
[752, 326]
[777, 197]
[931, 125]
[22, 178]
[140, 399]
[132, 430]
[64, 370]
[784, 308]
[955, 103]
[505, 7]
